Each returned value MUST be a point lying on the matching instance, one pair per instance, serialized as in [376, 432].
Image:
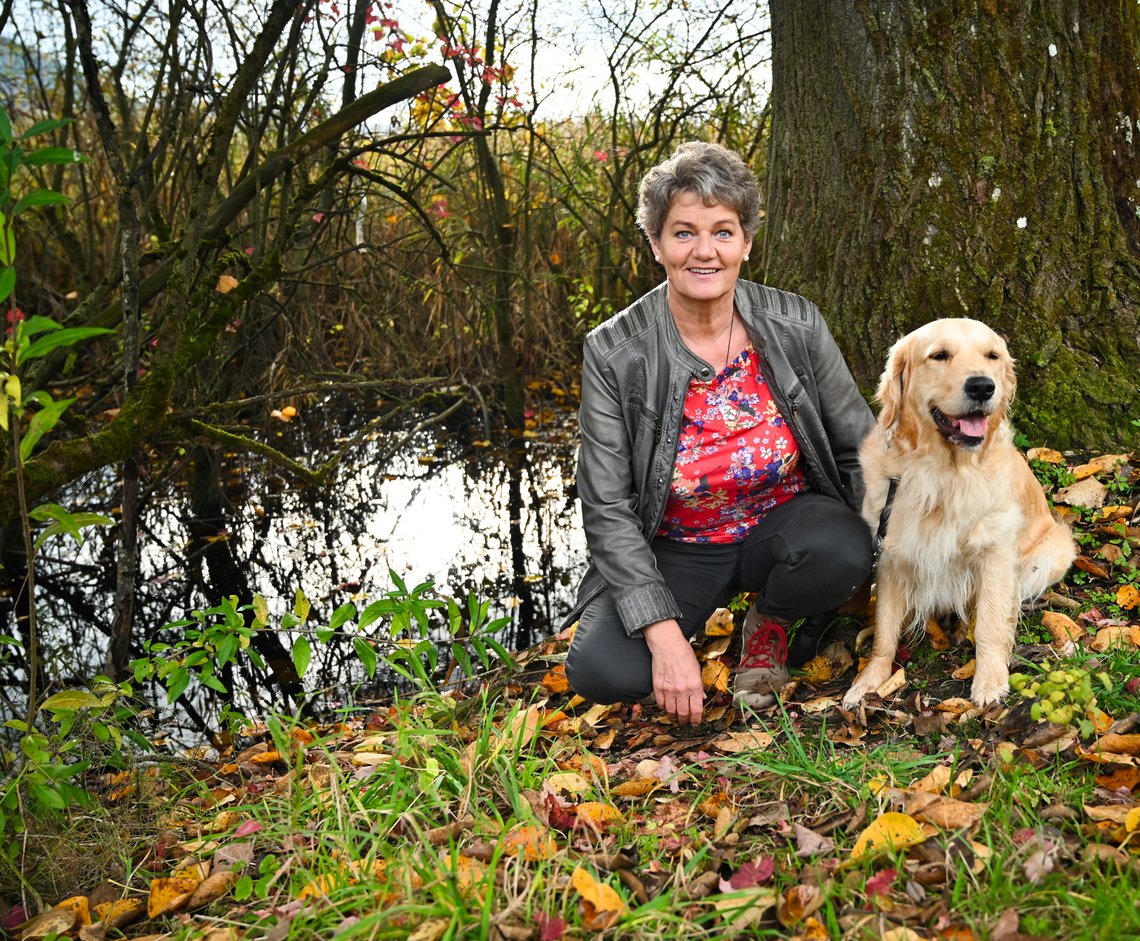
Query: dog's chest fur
[950, 533]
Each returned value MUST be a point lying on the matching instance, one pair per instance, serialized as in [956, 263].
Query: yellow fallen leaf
[79, 905]
[818, 670]
[468, 871]
[569, 782]
[945, 812]
[55, 921]
[602, 906]
[226, 283]
[954, 706]
[890, 831]
[1046, 455]
[736, 742]
[1128, 596]
[1115, 636]
[895, 682]
[120, 913]
[719, 623]
[1132, 821]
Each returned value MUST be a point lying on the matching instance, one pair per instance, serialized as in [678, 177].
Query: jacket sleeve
[846, 417]
[608, 492]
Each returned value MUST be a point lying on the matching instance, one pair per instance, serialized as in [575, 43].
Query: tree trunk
[950, 159]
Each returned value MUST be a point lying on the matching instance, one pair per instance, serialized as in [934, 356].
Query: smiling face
[701, 248]
[953, 377]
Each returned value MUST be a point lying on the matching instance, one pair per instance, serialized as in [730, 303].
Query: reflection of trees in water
[499, 524]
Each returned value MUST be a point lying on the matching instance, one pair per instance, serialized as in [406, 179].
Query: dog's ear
[1009, 377]
[892, 384]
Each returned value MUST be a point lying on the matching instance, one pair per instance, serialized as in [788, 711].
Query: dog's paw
[873, 676]
[986, 691]
[853, 697]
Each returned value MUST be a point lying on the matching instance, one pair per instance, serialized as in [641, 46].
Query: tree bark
[968, 159]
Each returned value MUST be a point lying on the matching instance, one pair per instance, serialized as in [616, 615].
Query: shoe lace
[766, 648]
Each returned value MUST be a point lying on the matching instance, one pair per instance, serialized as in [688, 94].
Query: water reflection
[502, 522]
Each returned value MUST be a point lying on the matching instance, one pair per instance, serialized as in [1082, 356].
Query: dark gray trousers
[805, 558]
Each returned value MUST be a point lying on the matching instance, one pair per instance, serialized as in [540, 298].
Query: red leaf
[550, 927]
[881, 883]
[753, 874]
[250, 826]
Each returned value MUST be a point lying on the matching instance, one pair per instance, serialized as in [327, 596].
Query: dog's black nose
[980, 388]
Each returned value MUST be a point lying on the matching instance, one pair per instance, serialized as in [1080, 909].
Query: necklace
[728, 351]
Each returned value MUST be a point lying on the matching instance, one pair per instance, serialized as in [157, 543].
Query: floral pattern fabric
[737, 458]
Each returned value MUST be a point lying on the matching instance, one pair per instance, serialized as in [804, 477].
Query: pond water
[497, 518]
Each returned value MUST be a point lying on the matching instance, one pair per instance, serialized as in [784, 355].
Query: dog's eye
[941, 356]
[992, 354]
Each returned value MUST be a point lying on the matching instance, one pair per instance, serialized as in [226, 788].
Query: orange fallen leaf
[938, 638]
[555, 680]
[636, 788]
[168, 896]
[1121, 744]
[79, 905]
[212, 888]
[226, 283]
[602, 906]
[714, 676]
[531, 843]
[965, 672]
[597, 815]
[1128, 596]
[797, 903]
[1063, 629]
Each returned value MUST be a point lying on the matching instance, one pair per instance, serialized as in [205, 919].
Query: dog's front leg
[890, 609]
[994, 628]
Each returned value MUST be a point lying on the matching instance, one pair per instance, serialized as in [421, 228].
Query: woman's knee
[600, 678]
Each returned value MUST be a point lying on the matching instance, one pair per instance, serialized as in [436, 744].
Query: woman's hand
[676, 672]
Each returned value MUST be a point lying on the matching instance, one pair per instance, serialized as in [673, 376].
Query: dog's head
[949, 380]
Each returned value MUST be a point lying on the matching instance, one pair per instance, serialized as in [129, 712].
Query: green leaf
[177, 683]
[42, 422]
[44, 156]
[208, 679]
[7, 282]
[72, 699]
[46, 796]
[5, 128]
[44, 127]
[343, 614]
[366, 653]
[39, 197]
[374, 611]
[302, 654]
[65, 337]
[7, 242]
[226, 649]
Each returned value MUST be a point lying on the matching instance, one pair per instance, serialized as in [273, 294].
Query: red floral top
[736, 460]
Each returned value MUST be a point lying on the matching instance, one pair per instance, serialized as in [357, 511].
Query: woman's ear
[656, 246]
[892, 384]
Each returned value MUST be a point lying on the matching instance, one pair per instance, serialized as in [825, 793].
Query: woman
[719, 434]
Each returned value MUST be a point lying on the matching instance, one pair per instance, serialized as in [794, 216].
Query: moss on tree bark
[933, 159]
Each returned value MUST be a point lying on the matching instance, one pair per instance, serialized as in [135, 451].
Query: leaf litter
[748, 822]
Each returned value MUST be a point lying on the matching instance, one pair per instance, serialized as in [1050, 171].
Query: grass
[512, 811]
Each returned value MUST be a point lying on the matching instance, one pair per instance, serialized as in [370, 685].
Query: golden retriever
[970, 531]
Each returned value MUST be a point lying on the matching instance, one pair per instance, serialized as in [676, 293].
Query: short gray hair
[714, 173]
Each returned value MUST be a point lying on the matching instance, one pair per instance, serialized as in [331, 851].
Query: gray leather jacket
[635, 373]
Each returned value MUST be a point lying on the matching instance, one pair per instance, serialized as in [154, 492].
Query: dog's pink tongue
[974, 427]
